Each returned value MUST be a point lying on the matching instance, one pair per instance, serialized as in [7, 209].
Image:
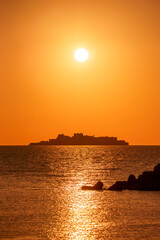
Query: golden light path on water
[85, 221]
[85, 218]
[87, 213]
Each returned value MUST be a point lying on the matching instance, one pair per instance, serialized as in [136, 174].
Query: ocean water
[41, 199]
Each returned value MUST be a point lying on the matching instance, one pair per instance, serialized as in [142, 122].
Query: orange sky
[44, 91]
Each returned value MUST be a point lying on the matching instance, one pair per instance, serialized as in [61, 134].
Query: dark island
[80, 139]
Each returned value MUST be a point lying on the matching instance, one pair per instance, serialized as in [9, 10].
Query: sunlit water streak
[40, 195]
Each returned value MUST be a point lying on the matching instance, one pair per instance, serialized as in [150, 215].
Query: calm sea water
[40, 196]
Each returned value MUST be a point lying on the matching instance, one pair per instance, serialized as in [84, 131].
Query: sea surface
[41, 196]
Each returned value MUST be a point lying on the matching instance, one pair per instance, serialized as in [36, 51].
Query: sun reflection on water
[81, 216]
[86, 220]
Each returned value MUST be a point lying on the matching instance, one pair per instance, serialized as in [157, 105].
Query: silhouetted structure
[97, 186]
[80, 139]
[147, 181]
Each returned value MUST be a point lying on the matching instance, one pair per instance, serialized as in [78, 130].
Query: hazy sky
[44, 91]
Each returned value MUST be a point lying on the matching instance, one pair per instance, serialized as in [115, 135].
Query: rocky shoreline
[147, 181]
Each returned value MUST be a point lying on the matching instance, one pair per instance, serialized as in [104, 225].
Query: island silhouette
[80, 139]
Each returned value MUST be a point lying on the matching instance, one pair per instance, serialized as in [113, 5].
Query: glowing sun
[81, 54]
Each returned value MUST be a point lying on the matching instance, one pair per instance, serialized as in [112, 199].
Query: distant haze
[44, 91]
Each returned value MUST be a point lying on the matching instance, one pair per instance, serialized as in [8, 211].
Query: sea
[41, 196]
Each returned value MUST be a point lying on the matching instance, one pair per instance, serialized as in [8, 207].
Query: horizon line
[3, 145]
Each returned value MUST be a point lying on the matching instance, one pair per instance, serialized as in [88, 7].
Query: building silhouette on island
[80, 139]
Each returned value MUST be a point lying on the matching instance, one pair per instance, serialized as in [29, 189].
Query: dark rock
[97, 186]
[119, 186]
[147, 181]
[132, 182]
[87, 188]
[131, 179]
[157, 169]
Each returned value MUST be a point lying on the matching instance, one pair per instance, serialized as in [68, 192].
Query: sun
[81, 55]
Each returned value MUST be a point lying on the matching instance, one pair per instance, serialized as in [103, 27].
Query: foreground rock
[147, 181]
[97, 186]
